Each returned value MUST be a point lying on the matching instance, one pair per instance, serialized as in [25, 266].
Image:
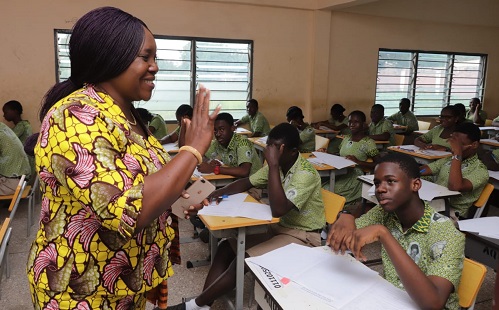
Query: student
[295, 117]
[358, 147]
[475, 113]
[13, 161]
[12, 111]
[437, 137]
[462, 113]
[462, 172]
[155, 122]
[339, 122]
[258, 123]
[230, 153]
[381, 129]
[294, 188]
[404, 117]
[183, 111]
[402, 223]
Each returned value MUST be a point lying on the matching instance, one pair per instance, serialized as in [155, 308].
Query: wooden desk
[259, 146]
[399, 128]
[326, 132]
[219, 180]
[237, 227]
[490, 130]
[421, 132]
[482, 249]
[489, 144]
[421, 156]
[243, 131]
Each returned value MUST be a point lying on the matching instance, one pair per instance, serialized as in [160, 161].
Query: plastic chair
[31, 195]
[333, 203]
[399, 139]
[321, 142]
[471, 281]
[482, 200]
[488, 122]
[423, 125]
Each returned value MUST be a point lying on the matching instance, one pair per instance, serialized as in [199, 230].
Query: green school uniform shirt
[302, 186]
[307, 137]
[159, 125]
[23, 130]
[381, 127]
[473, 170]
[433, 242]
[408, 119]
[13, 160]
[240, 150]
[433, 137]
[470, 115]
[258, 123]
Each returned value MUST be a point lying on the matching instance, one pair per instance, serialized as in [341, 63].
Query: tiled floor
[185, 283]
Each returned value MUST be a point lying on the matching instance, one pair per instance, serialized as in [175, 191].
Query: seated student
[156, 123]
[294, 189]
[12, 111]
[405, 117]
[183, 111]
[436, 138]
[338, 121]
[295, 117]
[357, 147]
[475, 113]
[406, 226]
[462, 113]
[462, 172]
[259, 125]
[13, 161]
[236, 152]
[381, 129]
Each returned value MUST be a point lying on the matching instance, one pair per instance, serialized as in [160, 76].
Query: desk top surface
[492, 142]
[418, 153]
[222, 222]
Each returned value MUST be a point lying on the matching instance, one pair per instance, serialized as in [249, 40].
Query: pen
[422, 170]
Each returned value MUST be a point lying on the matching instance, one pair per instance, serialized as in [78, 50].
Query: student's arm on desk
[364, 164]
[242, 171]
[429, 292]
[340, 231]
[235, 187]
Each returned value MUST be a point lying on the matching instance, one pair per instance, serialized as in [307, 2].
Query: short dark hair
[475, 99]
[378, 106]
[14, 105]
[358, 113]
[461, 108]
[144, 114]
[103, 44]
[294, 112]
[184, 110]
[225, 117]
[287, 133]
[406, 163]
[337, 108]
[471, 130]
[453, 109]
[253, 101]
[405, 101]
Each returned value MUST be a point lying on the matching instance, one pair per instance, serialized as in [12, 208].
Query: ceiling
[462, 12]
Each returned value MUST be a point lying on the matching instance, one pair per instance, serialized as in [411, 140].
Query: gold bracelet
[193, 151]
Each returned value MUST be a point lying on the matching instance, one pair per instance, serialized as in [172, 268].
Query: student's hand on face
[205, 168]
[455, 145]
[272, 154]
[361, 237]
[339, 232]
[194, 209]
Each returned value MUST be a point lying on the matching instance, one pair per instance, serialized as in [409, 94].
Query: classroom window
[431, 80]
[223, 66]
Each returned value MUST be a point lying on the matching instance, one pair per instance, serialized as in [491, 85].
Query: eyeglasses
[446, 116]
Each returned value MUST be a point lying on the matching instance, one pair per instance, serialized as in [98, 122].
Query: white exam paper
[484, 226]
[494, 174]
[252, 210]
[337, 162]
[170, 146]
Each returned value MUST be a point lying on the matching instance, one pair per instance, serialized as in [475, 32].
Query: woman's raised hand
[199, 130]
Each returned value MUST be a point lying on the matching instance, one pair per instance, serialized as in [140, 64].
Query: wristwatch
[343, 212]
[457, 157]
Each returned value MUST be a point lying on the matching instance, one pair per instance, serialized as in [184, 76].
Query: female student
[295, 117]
[422, 251]
[357, 147]
[12, 111]
[436, 138]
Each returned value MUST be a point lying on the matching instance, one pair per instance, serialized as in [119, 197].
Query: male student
[462, 172]
[294, 190]
[258, 123]
[381, 129]
[405, 117]
[230, 153]
[422, 251]
[475, 113]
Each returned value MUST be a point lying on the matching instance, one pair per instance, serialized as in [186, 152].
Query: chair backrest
[16, 197]
[399, 139]
[471, 281]
[482, 200]
[488, 122]
[321, 142]
[423, 125]
[333, 203]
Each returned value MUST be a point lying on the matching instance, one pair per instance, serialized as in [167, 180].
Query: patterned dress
[433, 242]
[86, 254]
[347, 185]
[307, 137]
[408, 119]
